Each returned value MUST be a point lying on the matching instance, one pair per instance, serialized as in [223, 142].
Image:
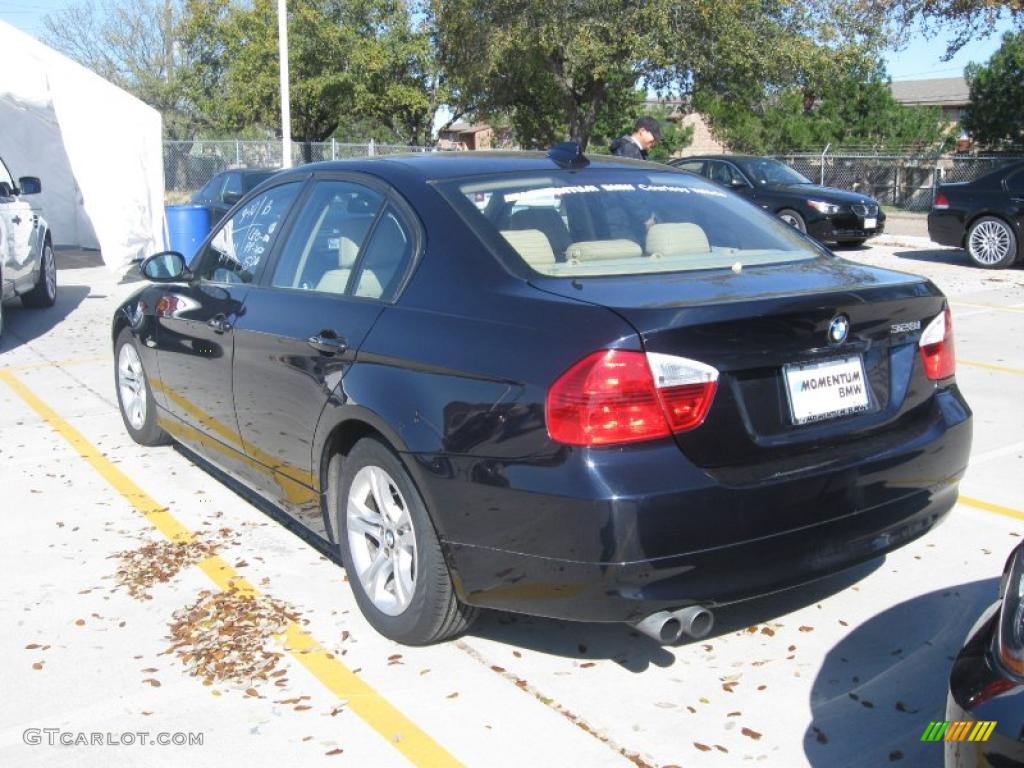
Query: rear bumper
[614, 535]
[946, 228]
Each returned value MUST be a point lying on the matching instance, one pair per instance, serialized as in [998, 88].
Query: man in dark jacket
[646, 131]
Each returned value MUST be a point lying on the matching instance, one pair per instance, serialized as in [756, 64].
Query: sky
[920, 59]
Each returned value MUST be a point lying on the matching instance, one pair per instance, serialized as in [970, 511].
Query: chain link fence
[901, 181]
[188, 165]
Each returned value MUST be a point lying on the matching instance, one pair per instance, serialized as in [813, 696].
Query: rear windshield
[595, 223]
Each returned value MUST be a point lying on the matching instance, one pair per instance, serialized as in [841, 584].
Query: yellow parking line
[400, 732]
[990, 366]
[990, 507]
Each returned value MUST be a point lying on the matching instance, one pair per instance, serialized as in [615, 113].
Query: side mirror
[165, 267]
[738, 183]
[230, 198]
[30, 185]
[6, 190]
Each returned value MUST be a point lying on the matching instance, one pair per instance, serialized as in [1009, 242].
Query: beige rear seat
[680, 239]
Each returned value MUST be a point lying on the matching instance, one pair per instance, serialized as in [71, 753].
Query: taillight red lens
[941, 201]
[612, 397]
[936, 345]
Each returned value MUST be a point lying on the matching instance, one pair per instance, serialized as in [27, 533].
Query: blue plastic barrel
[187, 226]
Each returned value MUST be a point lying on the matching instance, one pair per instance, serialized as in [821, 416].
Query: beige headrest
[676, 240]
[334, 281]
[598, 250]
[348, 249]
[532, 244]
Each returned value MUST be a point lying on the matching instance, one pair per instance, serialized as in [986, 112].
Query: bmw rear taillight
[936, 346]
[616, 396]
[941, 201]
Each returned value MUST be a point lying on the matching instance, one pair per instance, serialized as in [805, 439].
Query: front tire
[793, 218]
[44, 293]
[991, 243]
[391, 553]
[134, 395]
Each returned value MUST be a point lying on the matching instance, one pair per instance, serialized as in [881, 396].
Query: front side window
[324, 245]
[572, 224]
[767, 171]
[5, 175]
[243, 242]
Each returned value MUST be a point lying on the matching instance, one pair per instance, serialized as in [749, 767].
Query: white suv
[27, 268]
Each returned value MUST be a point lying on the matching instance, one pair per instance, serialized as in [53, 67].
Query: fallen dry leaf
[702, 747]
[224, 636]
[805, 628]
[750, 733]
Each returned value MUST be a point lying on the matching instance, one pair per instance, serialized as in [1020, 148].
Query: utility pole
[168, 41]
[286, 118]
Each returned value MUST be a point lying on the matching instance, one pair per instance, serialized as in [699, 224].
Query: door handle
[219, 323]
[16, 219]
[328, 342]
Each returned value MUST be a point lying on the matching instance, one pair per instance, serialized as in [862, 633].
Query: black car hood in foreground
[826, 194]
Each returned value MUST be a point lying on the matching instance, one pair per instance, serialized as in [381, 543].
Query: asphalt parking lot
[143, 595]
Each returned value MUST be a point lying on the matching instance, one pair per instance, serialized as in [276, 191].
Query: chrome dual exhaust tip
[666, 627]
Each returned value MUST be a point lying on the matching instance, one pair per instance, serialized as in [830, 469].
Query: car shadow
[955, 256]
[22, 325]
[633, 650]
[881, 685]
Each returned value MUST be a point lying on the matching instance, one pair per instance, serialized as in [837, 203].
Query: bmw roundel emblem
[838, 329]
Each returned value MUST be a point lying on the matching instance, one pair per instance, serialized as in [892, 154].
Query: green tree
[556, 67]
[131, 43]
[857, 110]
[966, 20]
[996, 114]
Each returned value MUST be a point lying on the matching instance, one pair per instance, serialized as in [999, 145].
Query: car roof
[450, 165]
[719, 157]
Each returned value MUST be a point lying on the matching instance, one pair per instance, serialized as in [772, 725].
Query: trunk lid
[755, 325]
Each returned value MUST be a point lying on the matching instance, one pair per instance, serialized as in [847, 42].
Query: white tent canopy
[96, 148]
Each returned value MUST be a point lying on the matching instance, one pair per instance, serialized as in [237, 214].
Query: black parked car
[984, 216]
[827, 214]
[986, 685]
[228, 187]
[602, 391]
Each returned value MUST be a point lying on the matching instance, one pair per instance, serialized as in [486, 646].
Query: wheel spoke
[403, 584]
[377, 575]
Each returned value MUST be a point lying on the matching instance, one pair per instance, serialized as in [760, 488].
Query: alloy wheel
[50, 273]
[989, 242]
[131, 382]
[381, 540]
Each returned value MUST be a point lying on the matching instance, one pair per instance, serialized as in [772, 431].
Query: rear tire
[793, 218]
[991, 243]
[134, 396]
[391, 553]
[44, 293]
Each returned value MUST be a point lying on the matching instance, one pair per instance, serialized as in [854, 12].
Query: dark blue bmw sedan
[593, 390]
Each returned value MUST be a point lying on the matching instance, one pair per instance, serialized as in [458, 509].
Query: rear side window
[384, 262]
[324, 245]
[573, 224]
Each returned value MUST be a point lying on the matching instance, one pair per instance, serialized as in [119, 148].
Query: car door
[342, 260]
[195, 321]
[1015, 187]
[18, 225]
